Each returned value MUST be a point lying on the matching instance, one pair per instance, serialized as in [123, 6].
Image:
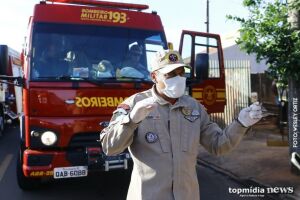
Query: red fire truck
[10, 92]
[75, 74]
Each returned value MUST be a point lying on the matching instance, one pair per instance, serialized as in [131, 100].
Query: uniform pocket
[151, 135]
[190, 134]
[164, 138]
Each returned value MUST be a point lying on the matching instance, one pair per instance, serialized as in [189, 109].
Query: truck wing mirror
[19, 81]
[12, 80]
[201, 66]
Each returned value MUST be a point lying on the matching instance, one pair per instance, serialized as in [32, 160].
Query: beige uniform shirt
[164, 146]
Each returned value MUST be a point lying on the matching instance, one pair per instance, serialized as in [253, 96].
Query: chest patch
[151, 137]
[192, 115]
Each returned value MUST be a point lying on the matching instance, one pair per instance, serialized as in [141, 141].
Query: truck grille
[76, 153]
[84, 140]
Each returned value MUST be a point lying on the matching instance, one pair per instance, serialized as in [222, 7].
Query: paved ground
[102, 186]
[254, 159]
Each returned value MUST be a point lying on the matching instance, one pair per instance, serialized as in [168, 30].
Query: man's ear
[153, 77]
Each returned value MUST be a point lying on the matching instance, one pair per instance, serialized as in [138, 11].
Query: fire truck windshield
[96, 53]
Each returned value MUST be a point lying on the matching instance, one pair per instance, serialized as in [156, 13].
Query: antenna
[207, 16]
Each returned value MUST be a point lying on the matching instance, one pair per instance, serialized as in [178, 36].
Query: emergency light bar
[104, 4]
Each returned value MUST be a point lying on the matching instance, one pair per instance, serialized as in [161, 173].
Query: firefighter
[132, 65]
[162, 128]
[50, 64]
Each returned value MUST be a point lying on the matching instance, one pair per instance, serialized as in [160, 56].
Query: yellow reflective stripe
[197, 95]
[221, 95]
[197, 89]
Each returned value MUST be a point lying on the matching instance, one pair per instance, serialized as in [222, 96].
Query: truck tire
[3, 59]
[25, 183]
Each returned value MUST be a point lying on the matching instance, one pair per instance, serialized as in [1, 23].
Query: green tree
[267, 33]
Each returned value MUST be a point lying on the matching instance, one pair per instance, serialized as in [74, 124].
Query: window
[64, 51]
[206, 53]
[208, 46]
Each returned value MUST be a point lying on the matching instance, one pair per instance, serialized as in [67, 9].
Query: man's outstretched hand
[250, 115]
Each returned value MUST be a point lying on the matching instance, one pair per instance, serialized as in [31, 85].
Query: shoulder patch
[124, 106]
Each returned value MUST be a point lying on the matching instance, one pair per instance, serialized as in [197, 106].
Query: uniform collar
[181, 102]
[158, 98]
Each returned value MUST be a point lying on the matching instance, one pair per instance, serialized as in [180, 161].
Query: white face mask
[174, 87]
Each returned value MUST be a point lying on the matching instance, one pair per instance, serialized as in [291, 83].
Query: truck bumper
[37, 163]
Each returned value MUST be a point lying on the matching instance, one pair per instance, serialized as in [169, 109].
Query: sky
[176, 15]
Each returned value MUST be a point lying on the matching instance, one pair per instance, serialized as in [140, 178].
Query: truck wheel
[24, 182]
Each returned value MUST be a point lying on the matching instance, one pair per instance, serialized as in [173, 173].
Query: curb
[247, 182]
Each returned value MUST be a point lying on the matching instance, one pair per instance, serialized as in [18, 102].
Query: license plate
[70, 172]
[114, 158]
[118, 157]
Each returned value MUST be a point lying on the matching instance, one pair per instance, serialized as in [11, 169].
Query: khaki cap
[166, 61]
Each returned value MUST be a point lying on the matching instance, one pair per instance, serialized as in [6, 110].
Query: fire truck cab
[77, 69]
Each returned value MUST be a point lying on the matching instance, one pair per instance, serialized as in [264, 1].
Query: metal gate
[237, 78]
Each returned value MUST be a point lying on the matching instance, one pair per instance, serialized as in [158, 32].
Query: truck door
[206, 80]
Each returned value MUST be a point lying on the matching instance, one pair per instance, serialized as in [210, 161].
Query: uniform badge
[186, 111]
[195, 113]
[173, 57]
[193, 116]
[124, 106]
[151, 137]
[118, 115]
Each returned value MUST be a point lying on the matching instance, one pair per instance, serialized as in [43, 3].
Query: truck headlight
[48, 138]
